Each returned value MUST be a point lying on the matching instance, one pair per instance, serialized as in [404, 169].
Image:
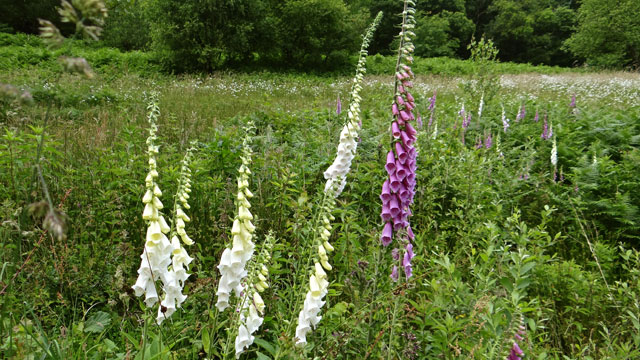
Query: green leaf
[262, 356]
[98, 322]
[266, 345]
[132, 340]
[527, 267]
[205, 340]
[507, 283]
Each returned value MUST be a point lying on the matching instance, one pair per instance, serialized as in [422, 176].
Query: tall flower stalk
[398, 189]
[554, 159]
[516, 353]
[251, 307]
[180, 259]
[156, 256]
[234, 259]
[505, 121]
[336, 176]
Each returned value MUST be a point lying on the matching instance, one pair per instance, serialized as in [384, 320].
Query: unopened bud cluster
[252, 306]
[180, 259]
[318, 283]
[88, 17]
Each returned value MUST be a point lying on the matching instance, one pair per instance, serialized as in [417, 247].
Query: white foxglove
[234, 259]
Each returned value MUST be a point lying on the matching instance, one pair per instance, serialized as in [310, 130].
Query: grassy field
[496, 236]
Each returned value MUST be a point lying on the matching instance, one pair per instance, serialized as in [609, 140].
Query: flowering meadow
[275, 216]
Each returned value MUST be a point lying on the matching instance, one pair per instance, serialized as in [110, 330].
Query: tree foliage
[608, 33]
[320, 35]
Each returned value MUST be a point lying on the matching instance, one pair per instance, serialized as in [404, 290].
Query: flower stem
[144, 332]
[393, 326]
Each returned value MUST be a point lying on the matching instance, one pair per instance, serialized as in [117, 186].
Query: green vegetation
[503, 224]
[322, 35]
[28, 52]
[483, 222]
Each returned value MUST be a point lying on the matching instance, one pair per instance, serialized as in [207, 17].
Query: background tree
[205, 35]
[531, 30]
[127, 27]
[608, 33]
[444, 34]
[23, 15]
[318, 33]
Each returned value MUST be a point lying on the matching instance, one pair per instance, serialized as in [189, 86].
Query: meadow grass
[477, 216]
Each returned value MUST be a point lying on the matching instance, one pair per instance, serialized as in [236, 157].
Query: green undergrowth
[28, 52]
[496, 236]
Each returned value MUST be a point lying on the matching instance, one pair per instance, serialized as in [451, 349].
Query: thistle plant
[234, 259]
[336, 181]
[398, 189]
[251, 306]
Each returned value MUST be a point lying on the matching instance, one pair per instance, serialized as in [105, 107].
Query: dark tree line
[320, 35]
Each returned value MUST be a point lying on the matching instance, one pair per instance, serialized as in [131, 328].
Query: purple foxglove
[401, 182]
[387, 233]
[385, 196]
[391, 163]
[488, 142]
[395, 130]
[394, 273]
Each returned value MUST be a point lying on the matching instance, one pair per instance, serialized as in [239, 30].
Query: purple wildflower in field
[338, 106]
[431, 108]
[419, 121]
[547, 131]
[521, 114]
[505, 121]
[462, 114]
[399, 188]
[432, 102]
[572, 104]
[516, 353]
[488, 141]
[406, 260]
[537, 117]
[479, 144]
[394, 273]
